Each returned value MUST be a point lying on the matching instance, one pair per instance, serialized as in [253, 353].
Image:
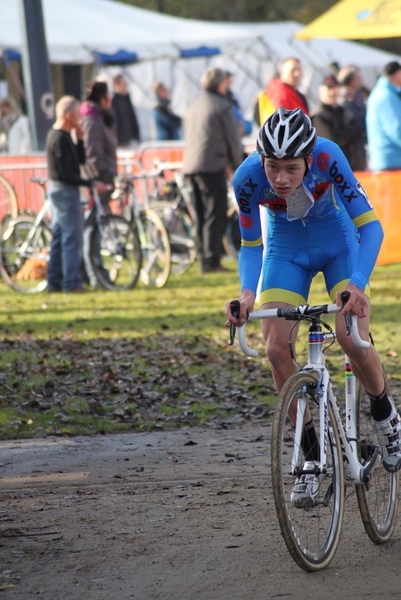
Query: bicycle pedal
[392, 464]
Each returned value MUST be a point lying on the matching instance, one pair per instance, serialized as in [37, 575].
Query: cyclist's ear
[308, 163]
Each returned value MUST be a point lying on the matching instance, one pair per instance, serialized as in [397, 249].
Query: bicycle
[172, 200]
[154, 238]
[25, 248]
[346, 454]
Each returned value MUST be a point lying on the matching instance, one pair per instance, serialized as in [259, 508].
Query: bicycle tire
[25, 271]
[182, 235]
[311, 534]
[8, 201]
[155, 248]
[120, 252]
[377, 504]
[232, 234]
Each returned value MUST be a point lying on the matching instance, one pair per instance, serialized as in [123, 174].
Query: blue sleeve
[247, 187]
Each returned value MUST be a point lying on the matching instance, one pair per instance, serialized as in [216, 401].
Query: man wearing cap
[383, 120]
[353, 97]
[336, 123]
[212, 149]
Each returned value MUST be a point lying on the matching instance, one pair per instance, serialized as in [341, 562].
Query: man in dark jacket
[336, 123]
[128, 132]
[212, 148]
[167, 123]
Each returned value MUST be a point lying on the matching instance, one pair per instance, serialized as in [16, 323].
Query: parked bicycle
[171, 198]
[25, 248]
[346, 453]
[153, 235]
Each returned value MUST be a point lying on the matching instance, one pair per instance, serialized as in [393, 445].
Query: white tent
[177, 51]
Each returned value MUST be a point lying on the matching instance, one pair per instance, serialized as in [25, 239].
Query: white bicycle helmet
[286, 134]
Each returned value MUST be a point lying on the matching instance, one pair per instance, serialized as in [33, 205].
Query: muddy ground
[179, 515]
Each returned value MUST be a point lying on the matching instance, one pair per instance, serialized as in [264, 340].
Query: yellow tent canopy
[356, 20]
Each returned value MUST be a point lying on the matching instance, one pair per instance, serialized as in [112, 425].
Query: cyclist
[319, 220]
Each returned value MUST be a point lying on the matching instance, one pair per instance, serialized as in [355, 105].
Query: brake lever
[235, 310]
[348, 319]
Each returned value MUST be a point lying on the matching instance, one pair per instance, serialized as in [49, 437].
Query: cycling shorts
[296, 252]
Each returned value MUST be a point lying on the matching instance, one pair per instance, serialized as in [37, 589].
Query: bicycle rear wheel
[378, 501]
[181, 233]
[23, 264]
[155, 246]
[311, 534]
[120, 253]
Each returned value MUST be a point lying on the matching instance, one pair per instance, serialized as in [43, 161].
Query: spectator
[383, 120]
[245, 126]
[212, 146]
[14, 127]
[101, 159]
[353, 100]
[334, 122]
[64, 157]
[128, 132]
[282, 91]
[167, 123]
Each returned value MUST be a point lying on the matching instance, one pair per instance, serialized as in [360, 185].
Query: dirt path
[184, 515]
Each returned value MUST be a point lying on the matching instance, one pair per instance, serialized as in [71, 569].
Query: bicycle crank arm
[368, 469]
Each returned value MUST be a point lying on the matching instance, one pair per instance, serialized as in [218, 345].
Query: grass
[149, 358]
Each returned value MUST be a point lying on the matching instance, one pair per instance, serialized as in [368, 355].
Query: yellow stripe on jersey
[252, 244]
[366, 217]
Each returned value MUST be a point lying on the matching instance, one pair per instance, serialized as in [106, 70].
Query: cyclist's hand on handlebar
[358, 303]
[247, 302]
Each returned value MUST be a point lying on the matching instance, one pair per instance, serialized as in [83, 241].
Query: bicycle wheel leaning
[8, 201]
[311, 534]
[120, 253]
[182, 235]
[155, 247]
[379, 500]
[24, 255]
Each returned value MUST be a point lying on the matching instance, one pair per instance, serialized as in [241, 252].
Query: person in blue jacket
[168, 124]
[319, 220]
[383, 120]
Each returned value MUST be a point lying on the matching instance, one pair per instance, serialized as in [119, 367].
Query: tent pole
[37, 76]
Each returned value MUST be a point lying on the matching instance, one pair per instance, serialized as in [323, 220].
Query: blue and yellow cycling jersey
[340, 234]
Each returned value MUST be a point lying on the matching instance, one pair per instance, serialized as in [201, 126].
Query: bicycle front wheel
[311, 533]
[118, 264]
[181, 232]
[155, 246]
[24, 255]
[378, 500]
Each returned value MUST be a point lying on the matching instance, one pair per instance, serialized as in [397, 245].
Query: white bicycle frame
[354, 471]
[44, 210]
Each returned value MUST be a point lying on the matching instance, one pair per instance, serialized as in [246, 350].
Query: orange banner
[383, 189]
